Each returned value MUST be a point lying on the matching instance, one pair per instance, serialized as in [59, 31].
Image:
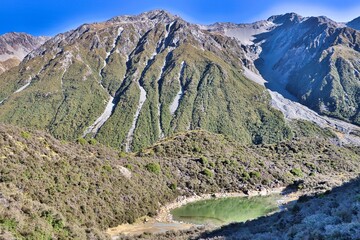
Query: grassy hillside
[66, 190]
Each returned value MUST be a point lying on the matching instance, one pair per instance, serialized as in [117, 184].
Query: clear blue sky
[49, 17]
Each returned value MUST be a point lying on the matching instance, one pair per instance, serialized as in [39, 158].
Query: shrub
[107, 168]
[129, 166]
[255, 175]
[122, 154]
[25, 135]
[92, 141]
[226, 162]
[153, 167]
[196, 148]
[159, 149]
[246, 176]
[212, 164]
[296, 172]
[81, 141]
[173, 186]
[203, 160]
[207, 172]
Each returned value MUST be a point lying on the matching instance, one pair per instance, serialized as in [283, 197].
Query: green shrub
[245, 176]
[25, 135]
[9, 224]
[207, 172]
[107, 168]
[173, 186]
[129, 166]
[255, 174]
[159, 149]
[122, 154]
[296, 172]
[196, 148]
[92, 141]
[226, 162]
[81, 141]
[153, 167]
[212, 164]
[203, 160]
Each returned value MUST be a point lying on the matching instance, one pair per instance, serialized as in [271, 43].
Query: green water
[223, 211]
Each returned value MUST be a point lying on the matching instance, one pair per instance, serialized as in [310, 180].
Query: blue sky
[49, 17]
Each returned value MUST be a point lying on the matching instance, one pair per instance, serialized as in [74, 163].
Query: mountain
[15, 46]
[51, 189]
[355, 24]
[313, 60]
[133, 80]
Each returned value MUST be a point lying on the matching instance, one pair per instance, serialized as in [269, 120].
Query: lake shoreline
[165, 219]
[164, 214]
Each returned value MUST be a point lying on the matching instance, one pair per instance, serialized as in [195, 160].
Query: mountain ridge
[142, 65]
[15, 46]
[287, 50]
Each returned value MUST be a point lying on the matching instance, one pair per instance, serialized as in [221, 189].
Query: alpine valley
[107, 123]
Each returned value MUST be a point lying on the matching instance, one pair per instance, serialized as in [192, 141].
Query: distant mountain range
[315, 59]
[15, 46]
[133, 80]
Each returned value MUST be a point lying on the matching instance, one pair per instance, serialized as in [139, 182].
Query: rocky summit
[15, 46]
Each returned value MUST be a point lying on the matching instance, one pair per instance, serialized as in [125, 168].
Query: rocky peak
[19, 44]
[150, 16]
[288, 18]
[15, 46]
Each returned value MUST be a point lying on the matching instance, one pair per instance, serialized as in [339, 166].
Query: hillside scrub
[87, 188]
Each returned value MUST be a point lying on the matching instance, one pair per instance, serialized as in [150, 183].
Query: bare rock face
[15, 46]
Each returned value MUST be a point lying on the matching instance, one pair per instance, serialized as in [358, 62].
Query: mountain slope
[56, 189]
[15, 46]
[313, 59]
[355, 24]
[134, 79]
